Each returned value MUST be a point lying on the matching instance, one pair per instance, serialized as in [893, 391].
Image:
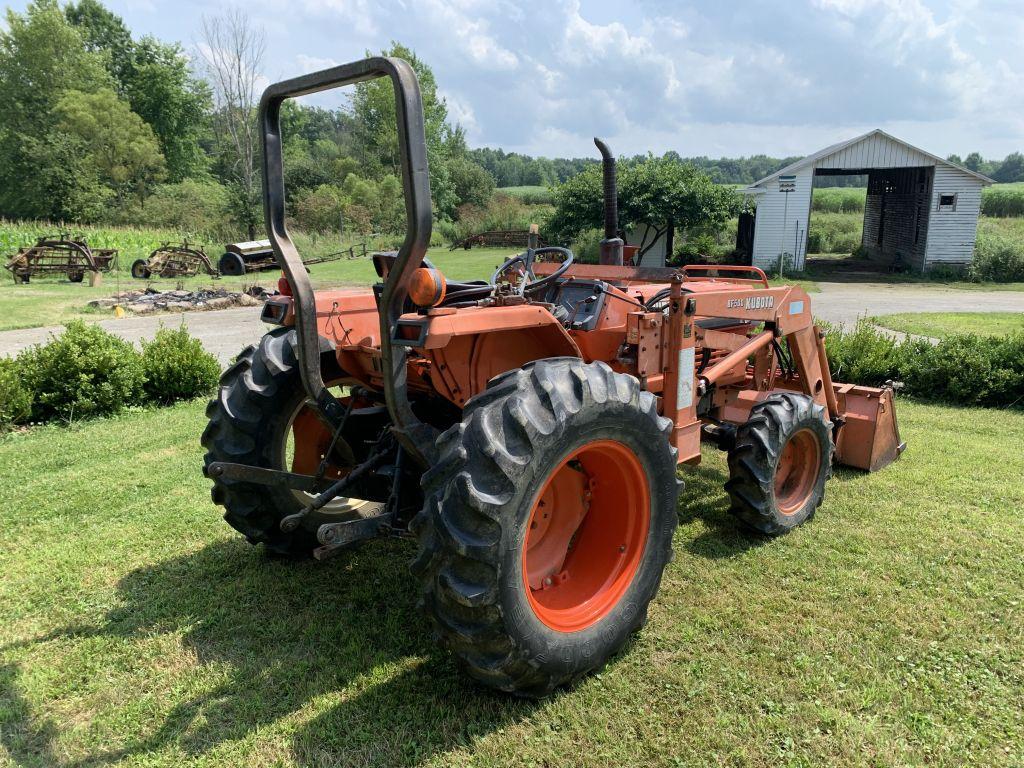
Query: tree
[471, 183]
[659, 194]
[1011, 169]
[320, 209]
[196, 209]
[375, 130]
[232, 54]
[42, 174]
[162, 91]
[103, 32]
[118, 143]
[974, 161]
[955, 159]
[155, 79]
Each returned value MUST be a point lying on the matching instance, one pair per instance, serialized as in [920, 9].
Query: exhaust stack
[611, 245]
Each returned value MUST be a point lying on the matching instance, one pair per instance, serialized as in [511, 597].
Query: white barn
[920, 210]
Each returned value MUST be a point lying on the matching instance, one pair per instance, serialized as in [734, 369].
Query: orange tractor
[525, 429]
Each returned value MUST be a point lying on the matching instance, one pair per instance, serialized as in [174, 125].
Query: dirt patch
[149, 301]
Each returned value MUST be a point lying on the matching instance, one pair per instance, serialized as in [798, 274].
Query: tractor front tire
[547, 524]
[779, 463]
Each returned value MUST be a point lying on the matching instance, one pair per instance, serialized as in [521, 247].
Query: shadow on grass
[704, 498]
[341, 642]
[28, 740]
[280, 635]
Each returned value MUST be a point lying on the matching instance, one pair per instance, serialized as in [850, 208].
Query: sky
[782, 77]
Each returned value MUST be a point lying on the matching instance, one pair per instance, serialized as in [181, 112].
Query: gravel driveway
[225, 332]
[843, 303]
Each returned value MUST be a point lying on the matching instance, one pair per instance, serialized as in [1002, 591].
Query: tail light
[428, 287]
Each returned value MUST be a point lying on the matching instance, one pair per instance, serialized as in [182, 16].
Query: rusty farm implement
[60, 254]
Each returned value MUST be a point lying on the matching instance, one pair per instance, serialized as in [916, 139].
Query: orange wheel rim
[312, 441]
[797, 472]
[586, 535]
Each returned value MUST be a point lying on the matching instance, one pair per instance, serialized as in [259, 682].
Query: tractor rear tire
[779, 463]
[250, 418]
[140, 269]
[525, 601]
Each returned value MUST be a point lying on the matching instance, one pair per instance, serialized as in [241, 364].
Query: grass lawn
[939, 324]
[52, 301]
[137, 629]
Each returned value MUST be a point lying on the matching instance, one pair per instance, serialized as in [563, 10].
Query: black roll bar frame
[414, 435]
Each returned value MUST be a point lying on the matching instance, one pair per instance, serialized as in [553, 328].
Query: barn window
[947, 202]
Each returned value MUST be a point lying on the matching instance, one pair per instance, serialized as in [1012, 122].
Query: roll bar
[412, 146]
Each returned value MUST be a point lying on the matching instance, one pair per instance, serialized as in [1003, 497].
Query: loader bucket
[869, 438]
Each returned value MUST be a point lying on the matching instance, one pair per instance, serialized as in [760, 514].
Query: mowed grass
[939, 324]
[137, 629]
[53, 300]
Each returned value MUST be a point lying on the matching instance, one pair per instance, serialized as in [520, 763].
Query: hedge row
[87, 371]
[962, 369]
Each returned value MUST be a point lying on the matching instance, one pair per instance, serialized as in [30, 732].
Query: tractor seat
[383, 261]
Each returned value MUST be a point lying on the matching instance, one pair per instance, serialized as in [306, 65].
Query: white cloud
[543, 76]
[471, 35]
[309, 64]
[461, 112]
[357, 15]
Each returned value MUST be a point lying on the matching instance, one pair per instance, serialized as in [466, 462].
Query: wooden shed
[920, 210]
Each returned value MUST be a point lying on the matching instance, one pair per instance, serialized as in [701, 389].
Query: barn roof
[821, 154]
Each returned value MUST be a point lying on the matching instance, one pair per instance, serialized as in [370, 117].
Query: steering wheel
[529, 282]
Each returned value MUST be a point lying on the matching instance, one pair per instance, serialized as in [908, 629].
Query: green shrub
[501, 212]
[319, 210]
[15, 398]
[84, 372]
[997, 258]
[956, 369]
[700, 247]
[963, 369]
[587, 246]
[177, 367]
[864, 355]
[193, 208]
